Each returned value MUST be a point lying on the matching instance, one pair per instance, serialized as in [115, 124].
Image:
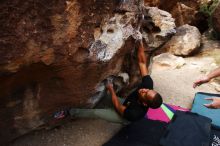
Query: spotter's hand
[214, 104]
[200, 81]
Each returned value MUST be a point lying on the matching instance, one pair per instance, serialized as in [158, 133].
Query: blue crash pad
[199, 108]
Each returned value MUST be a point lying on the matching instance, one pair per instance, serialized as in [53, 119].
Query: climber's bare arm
[118, 106]
[142, 60]
[207, 78]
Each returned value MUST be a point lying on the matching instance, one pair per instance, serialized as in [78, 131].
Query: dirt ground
[175, 85]
[80, 132]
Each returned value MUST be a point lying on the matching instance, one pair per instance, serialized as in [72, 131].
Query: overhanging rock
[56, 55]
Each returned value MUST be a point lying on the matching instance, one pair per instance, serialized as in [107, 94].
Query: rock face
[114, 33]
[184, 12]
[163, 27]
[129, 5]
[167, 61]
[216, 19]
[185, 42]
[56, 55]
[46, 61]
[187, 12]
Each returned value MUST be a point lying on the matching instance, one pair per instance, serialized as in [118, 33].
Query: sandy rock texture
[167, 60]
[185, 42]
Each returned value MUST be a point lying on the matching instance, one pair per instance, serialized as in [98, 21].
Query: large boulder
[156, 25]
[159, 27]
[216, 19]
[166, 61]
[184, 12]
[57, 54]
[185, 42]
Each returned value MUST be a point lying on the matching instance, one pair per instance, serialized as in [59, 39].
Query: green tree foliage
[209, 8]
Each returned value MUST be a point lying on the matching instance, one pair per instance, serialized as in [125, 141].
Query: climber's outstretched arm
[143, 59]
[118, 106]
